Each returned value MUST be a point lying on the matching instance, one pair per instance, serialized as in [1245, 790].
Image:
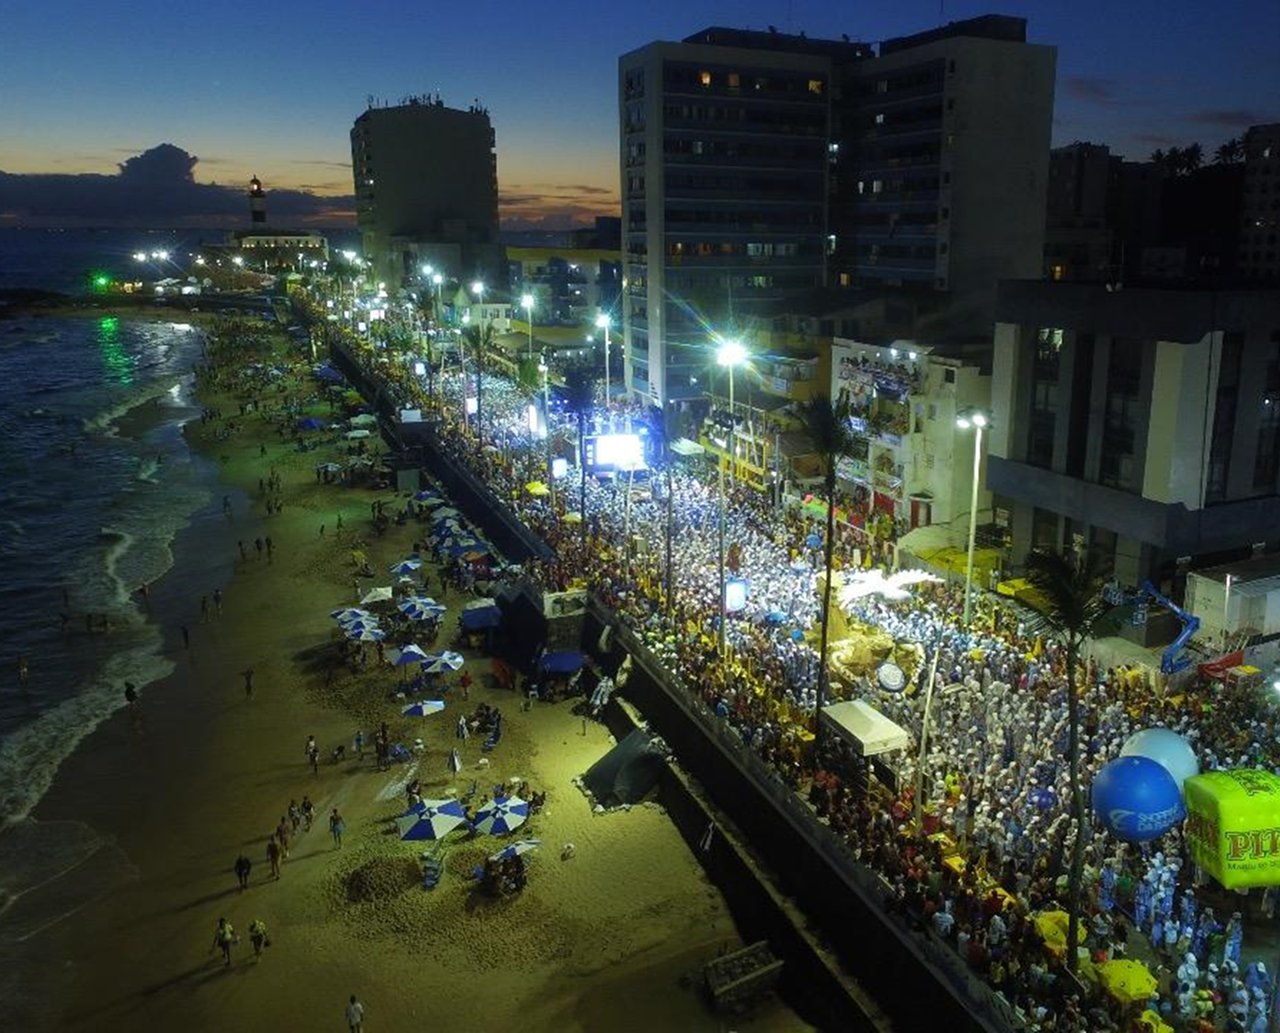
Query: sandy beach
[612, 938]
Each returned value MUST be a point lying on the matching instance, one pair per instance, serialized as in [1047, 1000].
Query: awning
[864, 728]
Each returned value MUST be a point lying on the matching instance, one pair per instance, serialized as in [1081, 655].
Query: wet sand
[612, 938]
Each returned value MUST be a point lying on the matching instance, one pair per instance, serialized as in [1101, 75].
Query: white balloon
[1167, 748]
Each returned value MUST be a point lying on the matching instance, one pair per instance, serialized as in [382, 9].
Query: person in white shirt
[355, 1015]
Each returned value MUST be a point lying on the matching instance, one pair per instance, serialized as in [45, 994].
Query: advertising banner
[1233, 826]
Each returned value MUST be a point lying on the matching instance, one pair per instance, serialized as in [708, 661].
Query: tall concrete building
[1260, 207]
[1143, 423]
[942, 165]
[426, 187]
[1077, 243]
[724, 153]
[758, 166]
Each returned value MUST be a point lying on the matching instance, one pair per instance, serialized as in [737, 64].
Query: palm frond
[827, 424]
[1068, 598]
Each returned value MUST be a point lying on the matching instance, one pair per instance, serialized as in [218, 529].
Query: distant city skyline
[272, 90]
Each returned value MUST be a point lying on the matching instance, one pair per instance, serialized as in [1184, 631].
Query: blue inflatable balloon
[1166, 748]
[1136, 799]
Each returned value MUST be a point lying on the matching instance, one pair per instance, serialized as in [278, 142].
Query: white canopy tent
[864, 728]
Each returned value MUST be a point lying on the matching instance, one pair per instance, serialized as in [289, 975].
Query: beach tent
[564, 661]
[864, 728]
[310, 423]
[477, 618]
[628, 771]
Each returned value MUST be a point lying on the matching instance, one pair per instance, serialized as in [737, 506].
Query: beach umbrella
[505, 814]
[447, 511]
[455, 762]
[1127, 980]
[431, 819]
[359, 433]
[364, 419]
[438, 663]
[408, 655]
[357, 626]
[423, 708]
[366, 634]
[344, 614]
[427, 495]
[310, 423]
[520, 846]
[381, 594]
[406, 566]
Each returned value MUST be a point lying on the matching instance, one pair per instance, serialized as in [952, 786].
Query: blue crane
[1174, 659]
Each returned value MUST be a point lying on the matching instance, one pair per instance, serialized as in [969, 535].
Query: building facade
[1141, 423]
[942, 163]
[1260, 207]
[724, 155]
[426, 188]
[760, 167]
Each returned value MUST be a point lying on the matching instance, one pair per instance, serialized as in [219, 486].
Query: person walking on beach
[282, 837]
[186, 636]
[358, 743]
[258, 936]
[223, 939]
[337, 827]
[226, 504]
[247, 673]
[243, 867]
[273, 856]
[313, 754]
[355, 1015]
[308, 812]
[204, 609]
[217, 601]
[24, 671]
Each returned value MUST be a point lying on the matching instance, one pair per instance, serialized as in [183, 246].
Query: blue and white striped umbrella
[346, 614]
[406, 566]
[426, 495]
[431, 819]
[520, 846]
[420, 607]
[408, 655]
[438, 663]
[505, 814]
[365, 634]
[423, 708]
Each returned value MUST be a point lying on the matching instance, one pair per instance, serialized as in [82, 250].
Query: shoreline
[203, 773]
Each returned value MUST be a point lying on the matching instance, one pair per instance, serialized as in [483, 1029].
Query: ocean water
[95, 482]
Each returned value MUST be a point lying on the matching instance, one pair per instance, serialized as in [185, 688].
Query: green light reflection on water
[119, 363]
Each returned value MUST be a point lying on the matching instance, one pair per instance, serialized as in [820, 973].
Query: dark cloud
[1230, 119]
[344, 165]
[543, 206]
[1159, 139]
[1092, 88]
[154, 188]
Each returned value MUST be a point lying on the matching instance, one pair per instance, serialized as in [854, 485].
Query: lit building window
[815, 86]
[704, 78]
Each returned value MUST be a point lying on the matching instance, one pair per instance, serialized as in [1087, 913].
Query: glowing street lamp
[526, 303]
[602, 321]
[545, 370]
[477, 288]
[977, 421]
[237, 261]
[729, 354]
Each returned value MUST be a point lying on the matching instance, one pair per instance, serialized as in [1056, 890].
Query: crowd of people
[994, 850]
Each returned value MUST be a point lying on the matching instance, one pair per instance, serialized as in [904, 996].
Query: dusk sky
[272, 88]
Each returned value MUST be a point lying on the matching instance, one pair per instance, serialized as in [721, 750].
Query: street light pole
[977, 421]
[730, 354]
[526, 303]
[545, 370]
[602, 321]
[477, 288]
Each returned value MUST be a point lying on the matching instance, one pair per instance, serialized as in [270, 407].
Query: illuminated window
[815, 86]
[1058, 272]
[880, 118]
[704, 78]
[734, 80]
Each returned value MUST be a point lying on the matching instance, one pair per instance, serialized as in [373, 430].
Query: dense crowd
[993, 852]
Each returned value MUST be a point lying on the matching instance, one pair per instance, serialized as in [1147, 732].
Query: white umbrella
[377, 595]
[365, 419]
[361, 433]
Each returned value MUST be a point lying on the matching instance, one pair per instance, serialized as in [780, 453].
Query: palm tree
[580, 399]
[1068, 602]
[832, 439]
[1229, 153]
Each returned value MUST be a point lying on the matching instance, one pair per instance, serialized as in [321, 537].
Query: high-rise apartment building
[725, 155]
[943, 154]
[758, 166]
[1260, 208]
[426, 187]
